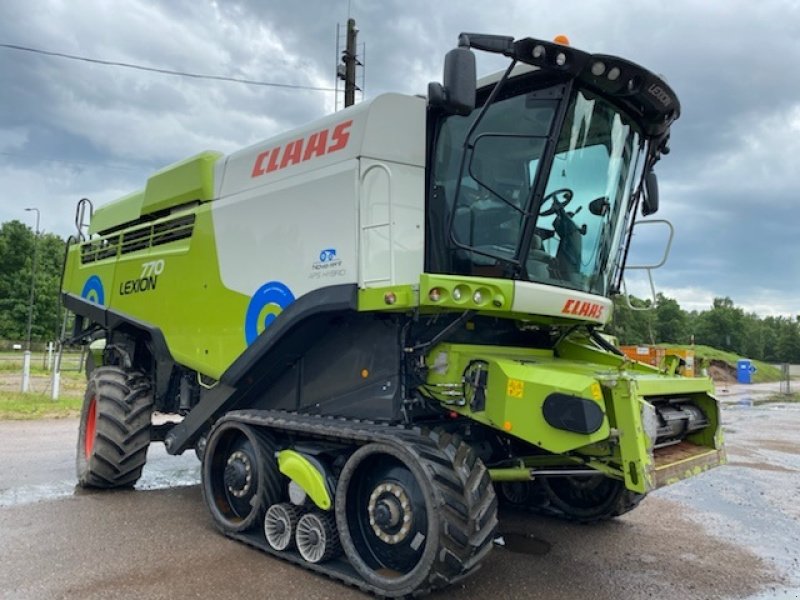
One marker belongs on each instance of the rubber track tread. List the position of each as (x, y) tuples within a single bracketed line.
[(468, 502)]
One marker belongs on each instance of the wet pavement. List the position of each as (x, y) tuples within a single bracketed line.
[(38, 462), (731, 533), (750, 394)]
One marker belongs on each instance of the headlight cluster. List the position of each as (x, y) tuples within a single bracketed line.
[(476, 296)]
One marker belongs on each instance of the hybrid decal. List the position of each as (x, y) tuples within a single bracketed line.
[(327, 254), (146, 282), (328, 265), (581, 308), (266, 304), (318, 143), (93, 290)]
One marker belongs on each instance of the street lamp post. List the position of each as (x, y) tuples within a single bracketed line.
[(26, 359)]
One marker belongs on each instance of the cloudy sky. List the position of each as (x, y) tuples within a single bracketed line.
[(731, 185)]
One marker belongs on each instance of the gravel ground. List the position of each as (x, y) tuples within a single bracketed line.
[(731, 533)]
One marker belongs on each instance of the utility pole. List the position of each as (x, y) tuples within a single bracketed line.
[(350, 61), (26, 359)]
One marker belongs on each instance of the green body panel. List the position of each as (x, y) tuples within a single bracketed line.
[(185, 181), (303, 472), (580, 348), (520, 379), (125, 210), (634, 453), (186, 299)]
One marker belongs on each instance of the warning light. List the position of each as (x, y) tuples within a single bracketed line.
[(561, 39), (364, 373), (507, 425)]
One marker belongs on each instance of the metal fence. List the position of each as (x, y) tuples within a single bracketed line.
[(12, 360)]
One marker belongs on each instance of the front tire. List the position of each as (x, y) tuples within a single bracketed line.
[(114, 433)]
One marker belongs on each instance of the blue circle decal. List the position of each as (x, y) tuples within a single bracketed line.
[(93, 290), (265, 305)]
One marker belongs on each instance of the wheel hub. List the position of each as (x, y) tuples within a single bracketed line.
[(387, 512), (390, 513), (238, 474)]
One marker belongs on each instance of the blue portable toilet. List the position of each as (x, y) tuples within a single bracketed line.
[(744, 371)]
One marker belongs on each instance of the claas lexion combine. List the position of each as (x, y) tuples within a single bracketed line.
[(378, 327)]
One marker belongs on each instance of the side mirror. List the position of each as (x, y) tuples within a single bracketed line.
[(650, 199), (457, 92)]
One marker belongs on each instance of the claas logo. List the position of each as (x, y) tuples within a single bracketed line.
[(581, 308), (318, 143)]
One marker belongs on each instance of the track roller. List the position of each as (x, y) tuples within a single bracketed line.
[(316, 537), (280, 525)]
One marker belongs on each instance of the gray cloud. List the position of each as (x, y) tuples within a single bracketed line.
[(730, 185)]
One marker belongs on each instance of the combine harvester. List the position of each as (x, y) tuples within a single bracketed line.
[(377, 326)]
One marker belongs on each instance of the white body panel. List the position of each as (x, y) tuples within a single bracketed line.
[(392, 223), (535, 298), (339, 201), (278, 232)]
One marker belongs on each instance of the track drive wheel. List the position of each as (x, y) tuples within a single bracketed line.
[(589, 498), (114, 431), (239, 476), (416, 517), (517, 494)]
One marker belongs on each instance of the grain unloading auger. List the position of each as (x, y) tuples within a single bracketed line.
[(376, 325)]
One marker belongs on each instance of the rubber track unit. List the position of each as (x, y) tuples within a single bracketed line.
[(539, 503), (463, 484), (124, 406)]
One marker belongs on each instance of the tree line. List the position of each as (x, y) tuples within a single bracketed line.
[(724, 326), (16, 271)]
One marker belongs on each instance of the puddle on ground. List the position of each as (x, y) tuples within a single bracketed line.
[(29, 494), (523, 543), (153, 478)]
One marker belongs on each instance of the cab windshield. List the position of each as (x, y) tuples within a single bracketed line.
[(486, 202)]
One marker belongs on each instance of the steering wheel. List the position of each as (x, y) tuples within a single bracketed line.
[(558, 205)]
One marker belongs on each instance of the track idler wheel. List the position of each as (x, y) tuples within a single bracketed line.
[(415, 517), (587, 498), (316, 537), (240, 476)]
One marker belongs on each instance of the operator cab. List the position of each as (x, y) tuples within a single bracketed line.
[(539, 178)]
